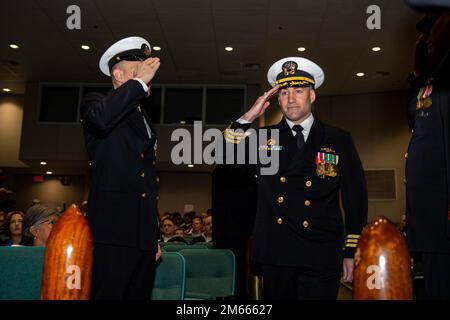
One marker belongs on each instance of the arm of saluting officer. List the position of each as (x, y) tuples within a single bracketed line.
[(235, 133), (354, 200), (102, 113)]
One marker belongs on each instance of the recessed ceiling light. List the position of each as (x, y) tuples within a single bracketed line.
[(190, 165), (228, 48), (85, 47), (376, 49), (43, 163), (156, 48), (49, 172), (360, 74), (7, 89), (301, 49), (13, 46)]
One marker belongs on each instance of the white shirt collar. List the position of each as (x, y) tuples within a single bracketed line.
[(306, 124)]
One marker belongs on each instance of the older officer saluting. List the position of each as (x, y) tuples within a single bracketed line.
[(120, 141), (299, 233)]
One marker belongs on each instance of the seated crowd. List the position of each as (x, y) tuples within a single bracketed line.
[(188, 229), (33, 226)]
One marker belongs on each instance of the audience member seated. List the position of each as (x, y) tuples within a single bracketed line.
[(188, 216), (38, 224), (179, 232), (177, 218), (167, 228), (3, 236), (83, 207), (206, 236), (197, 227), (14, 228)]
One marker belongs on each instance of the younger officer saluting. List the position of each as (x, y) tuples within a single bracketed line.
[(299, 233), (121, 142)]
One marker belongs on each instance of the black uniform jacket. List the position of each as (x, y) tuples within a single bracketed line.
[(428, 166), (299, 220), (122, 200)]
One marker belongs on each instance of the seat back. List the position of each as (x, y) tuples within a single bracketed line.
[(170, 277), (209, 273), (21, 272), (178, 247)]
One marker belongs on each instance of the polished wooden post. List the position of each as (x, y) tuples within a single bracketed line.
[(382, 264), (68, 259)]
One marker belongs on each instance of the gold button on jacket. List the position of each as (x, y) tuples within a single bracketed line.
[(305, 224), (308, 183), (307, 203), (279, 221), (280, 199), (282, 179), (143, 195)]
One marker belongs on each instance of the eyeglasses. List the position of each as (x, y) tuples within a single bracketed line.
[(51, 222)]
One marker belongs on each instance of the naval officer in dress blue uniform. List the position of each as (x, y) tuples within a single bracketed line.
[(300, 237), (121, 142), (428, 157)]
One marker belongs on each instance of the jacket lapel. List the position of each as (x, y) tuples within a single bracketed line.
[(307, 153), (136, 122), (152, 128), (288, 143)]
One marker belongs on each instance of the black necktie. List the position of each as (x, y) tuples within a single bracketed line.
[(300, 138)]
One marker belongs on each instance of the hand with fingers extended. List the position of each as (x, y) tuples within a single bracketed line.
[(260, 105), (146, 70)]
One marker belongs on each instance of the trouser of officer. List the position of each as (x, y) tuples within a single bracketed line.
[(436, 269), (298, 283), (122, 273)]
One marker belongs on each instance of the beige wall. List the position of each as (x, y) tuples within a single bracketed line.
[(378, 124), (50, 191), (11, 113), (177, 189)]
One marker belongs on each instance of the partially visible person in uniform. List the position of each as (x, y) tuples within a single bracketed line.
[(38, 223), (299, 233), (428, 157), (121, 142)]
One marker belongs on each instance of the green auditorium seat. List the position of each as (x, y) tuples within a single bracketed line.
[(21, 272), (210, 274), (178, 247), (170, 277)]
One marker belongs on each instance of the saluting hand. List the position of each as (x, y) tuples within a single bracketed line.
[(146, 70), (260, 105)]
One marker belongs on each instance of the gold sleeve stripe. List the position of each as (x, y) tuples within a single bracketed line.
[(351, 245), (353, 236), (352, 241), (234, 137)]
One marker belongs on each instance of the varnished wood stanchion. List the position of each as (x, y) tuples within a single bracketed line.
[(68, 259), (382, 264)]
